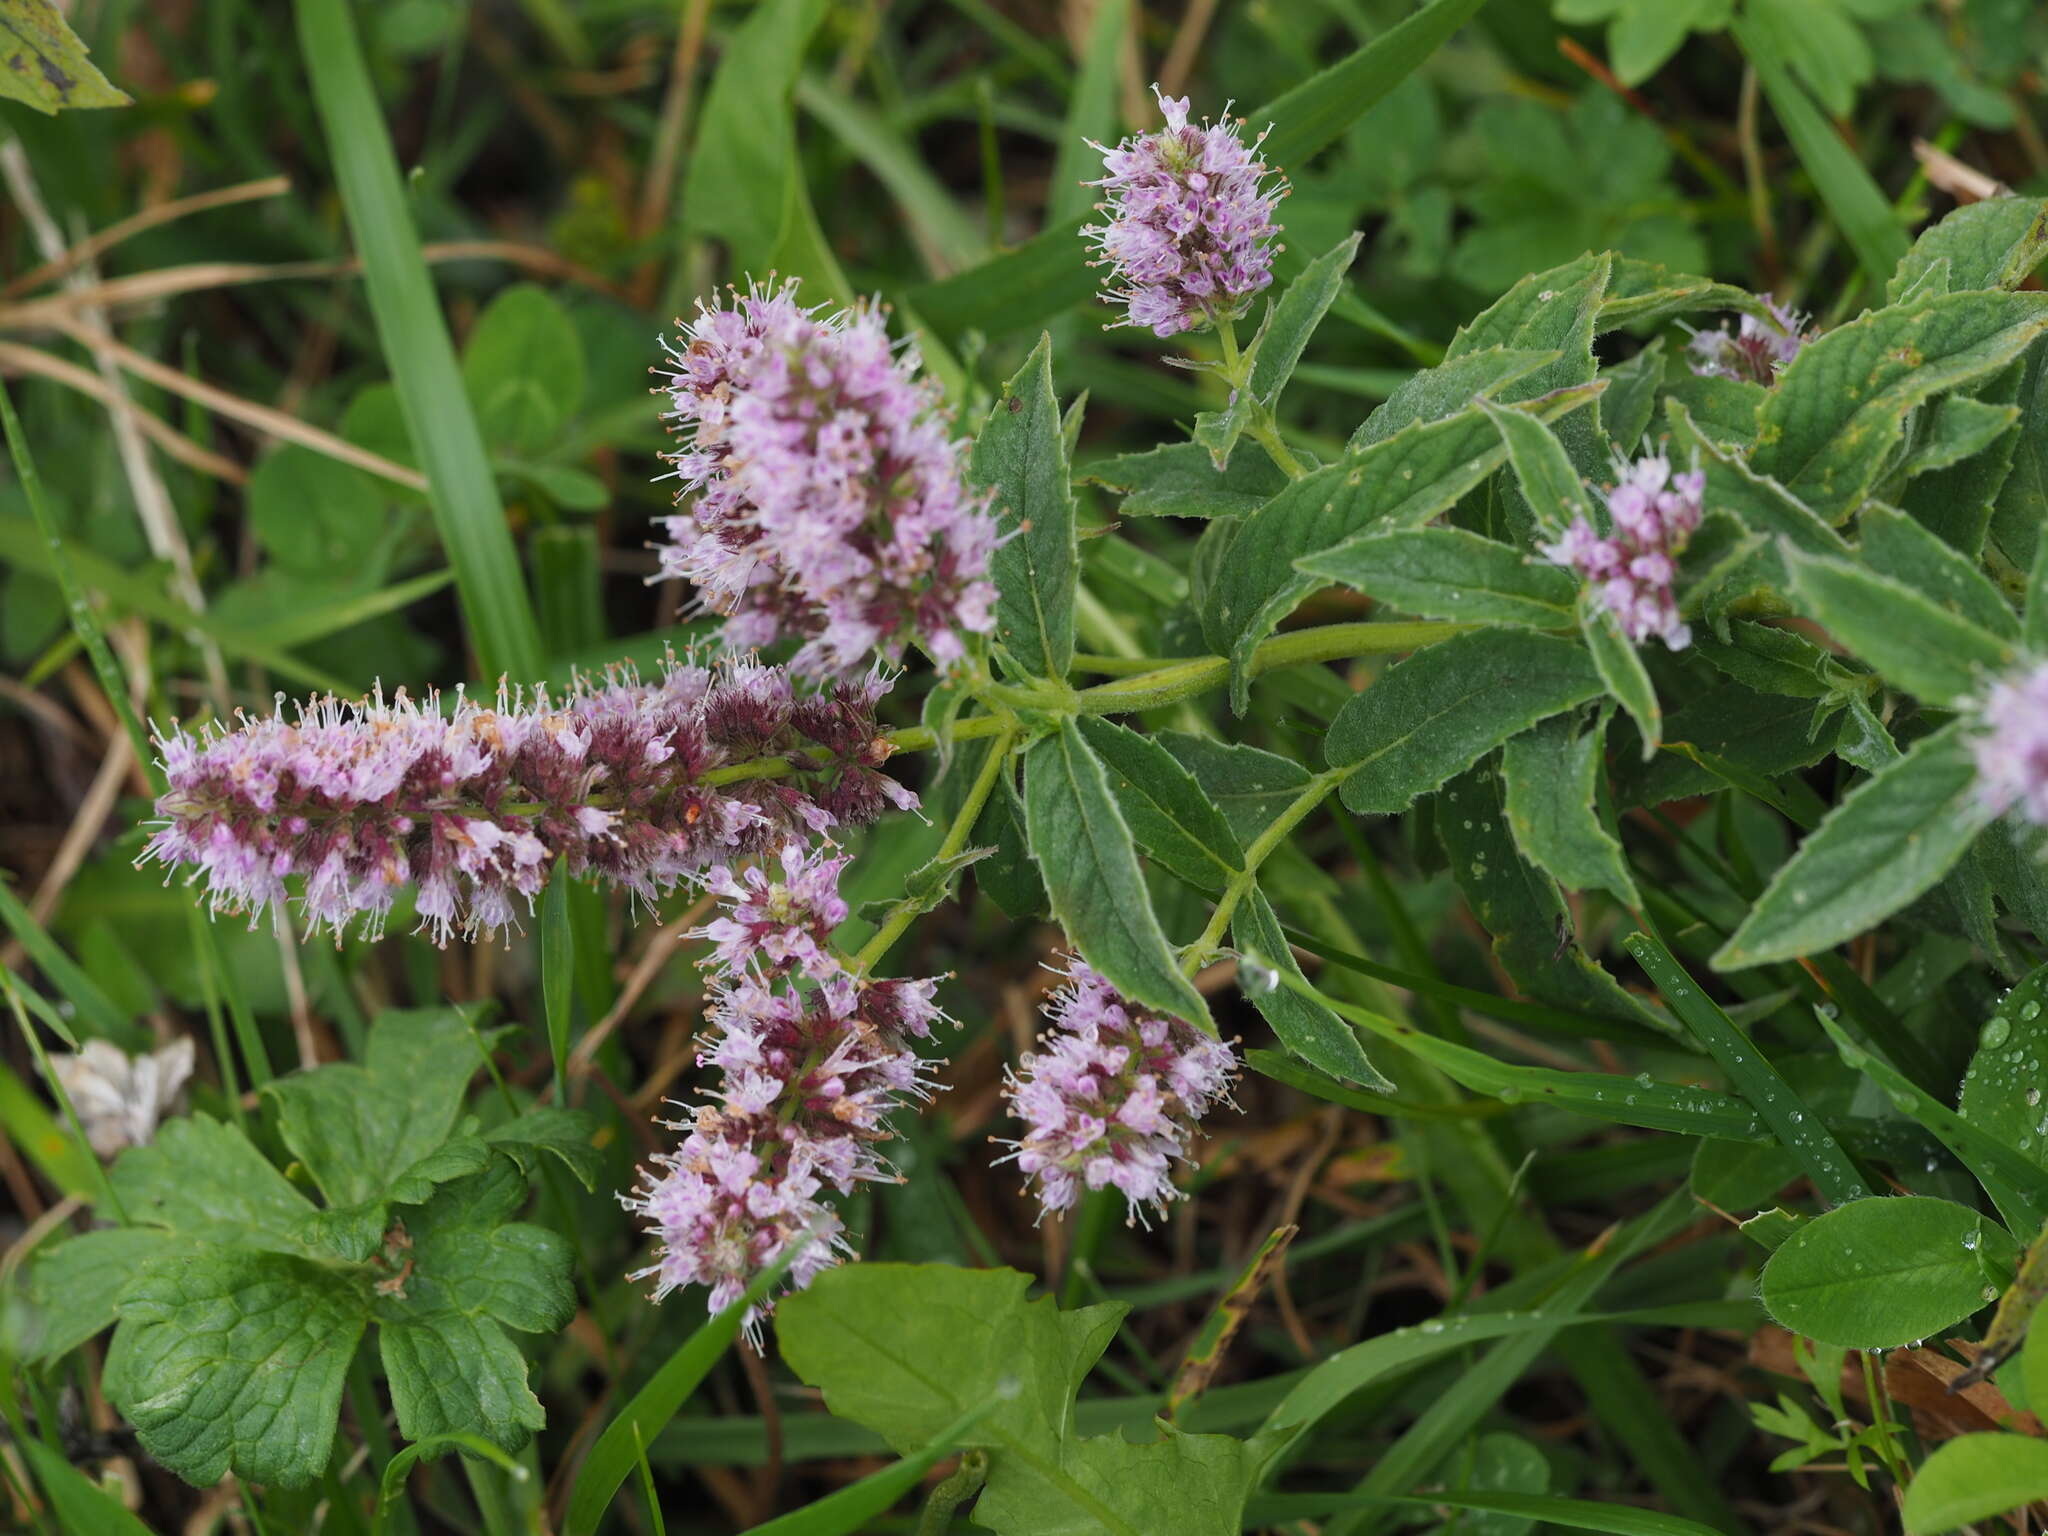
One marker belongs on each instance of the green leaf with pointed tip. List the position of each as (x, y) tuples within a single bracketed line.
[(906, 1350), (1249, 786), (1622, 672), (1902, 548), (1086, 858), (2001, 1091), (43, 63), (1549, 481), (1170, 817), (1283, 337), (1890, 839), (1914, 642), (233, 1359), (1447, 573), (1400, 482), (1722, 410), (1445, 390), (1521, 906), (1880, 1273), (1021, 456), (441, 1327), (1557, 807), (1840, 408), (1957, 428), (1303, 1025), (1643, 293), (1437, 713), (1996, 243), (363, 1131), (1178, 480), (1759, 502)]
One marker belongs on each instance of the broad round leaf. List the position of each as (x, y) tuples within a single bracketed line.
[(1974, 1477), (1875, 1274)]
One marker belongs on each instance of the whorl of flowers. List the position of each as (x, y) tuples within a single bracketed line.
[(811, 1060), (472, 805), (1756, 350), (822, 497), (1189, 231), (1112, 1095), (1630, 571), (2011, 744)]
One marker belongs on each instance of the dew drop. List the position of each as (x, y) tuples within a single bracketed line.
[(1994, 1034)]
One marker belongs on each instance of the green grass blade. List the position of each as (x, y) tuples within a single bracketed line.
[(1796, 1126), (1857, 203), (438, 418), (612, 1457), (398, 1466), (852, 1508), (95, 1008)]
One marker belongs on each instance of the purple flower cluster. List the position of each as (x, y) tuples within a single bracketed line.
[(1756, 350), (2011, 744), (822, 497), (811, 1057), (1112, 1096), (1630, 571), (471, 806), (1189, 237)]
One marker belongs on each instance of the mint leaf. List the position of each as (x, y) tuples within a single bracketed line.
[(568, 1134), (75, 1283), (203, 1179), (471, 1273), (234, 1358)]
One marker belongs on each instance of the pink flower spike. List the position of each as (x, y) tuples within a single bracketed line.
[(2010, 742), (1112, 1096), (1630, 573), (1189, 236)]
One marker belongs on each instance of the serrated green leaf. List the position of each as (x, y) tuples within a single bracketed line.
[(1841, 405), (867, 1335), (43, 63), (1555, 808), (1915, 643), (1021, 456), (1282, 339), (1249, 786), (567, 1134), (1956, 503), (1757, 501), (1721, 410), (1437, 713), (441, 1324), (1170, 818), (361, 1130), (1445, 390), (1400, 482), (1996, 243), (2020, 508), (1447, 573), (1879, 1273), (1521, 907), (1629, 404), (1303, 1025), (232, 1358), (1622, 672), (1901, 548), (1550, 483), (202, 1179), (1890, 839), (1956, 428), (1643, 293), (74, 1284), (1179, 480), (1085, 856)]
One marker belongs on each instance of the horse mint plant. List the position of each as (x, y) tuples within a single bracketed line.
[(962, 918)]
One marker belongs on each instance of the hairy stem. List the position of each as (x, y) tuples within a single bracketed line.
[(906, 911), (1313, 793)]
